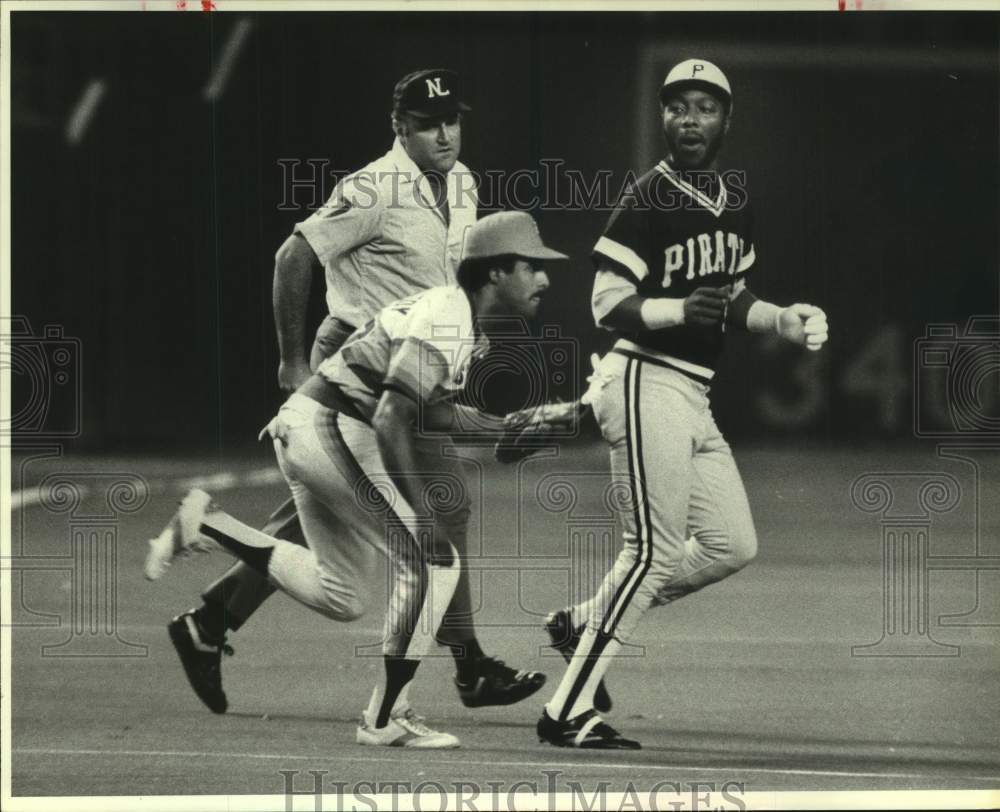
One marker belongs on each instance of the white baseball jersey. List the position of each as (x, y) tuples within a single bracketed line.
[(421, 346), (380, 237)]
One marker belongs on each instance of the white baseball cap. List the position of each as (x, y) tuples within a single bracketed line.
[(696, 72)]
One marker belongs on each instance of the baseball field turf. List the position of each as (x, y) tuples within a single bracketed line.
[(758, 681)]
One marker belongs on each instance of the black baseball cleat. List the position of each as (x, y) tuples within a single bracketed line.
[(202, 661), (497, 684), (587, 731), (564, 640)]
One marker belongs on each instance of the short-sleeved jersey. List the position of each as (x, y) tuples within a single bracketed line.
[(421, 346), (380, 237), (673, 232)]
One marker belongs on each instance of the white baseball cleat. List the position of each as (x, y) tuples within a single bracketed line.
[(405, 729), (181, 536)]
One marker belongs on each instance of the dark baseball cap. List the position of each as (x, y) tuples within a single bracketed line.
[(429, 93)]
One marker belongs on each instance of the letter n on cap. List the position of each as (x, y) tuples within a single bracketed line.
[(434, 88)]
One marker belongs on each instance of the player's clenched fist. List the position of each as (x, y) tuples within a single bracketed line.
[(803, 324), (706, 306)]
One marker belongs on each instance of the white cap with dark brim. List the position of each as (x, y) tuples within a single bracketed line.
[(696, 72)]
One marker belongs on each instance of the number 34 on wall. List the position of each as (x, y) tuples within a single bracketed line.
[(879, 373)]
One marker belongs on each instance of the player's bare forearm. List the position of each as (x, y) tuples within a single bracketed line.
[(395, 424), (294, 265)]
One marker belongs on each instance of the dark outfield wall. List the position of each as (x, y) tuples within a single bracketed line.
[(869, 142)]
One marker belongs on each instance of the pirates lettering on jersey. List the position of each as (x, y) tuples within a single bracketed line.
[(674, 232), (703, 255)]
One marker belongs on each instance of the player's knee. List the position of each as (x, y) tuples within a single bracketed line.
[(351, 609), (661, 570), (345, 607), (342, 602), (733, 550), (742, 549)]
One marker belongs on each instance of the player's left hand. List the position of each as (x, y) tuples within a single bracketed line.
[(528, 430), (803, 324)]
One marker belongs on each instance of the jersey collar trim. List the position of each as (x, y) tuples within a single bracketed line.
[(717, 207)]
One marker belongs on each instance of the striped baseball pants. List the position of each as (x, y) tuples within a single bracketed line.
[(350, 510), (687, 522), (241, 590)]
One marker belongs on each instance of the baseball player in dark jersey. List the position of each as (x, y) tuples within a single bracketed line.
[(671, 283), (391, 229)]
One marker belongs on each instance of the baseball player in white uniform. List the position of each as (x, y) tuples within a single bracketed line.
[(671, 282), (346, 442), (391, 229)]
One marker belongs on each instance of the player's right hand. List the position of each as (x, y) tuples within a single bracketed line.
[(292, 374), (706, 306)]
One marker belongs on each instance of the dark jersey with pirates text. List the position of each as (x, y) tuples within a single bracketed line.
[(673, 232)]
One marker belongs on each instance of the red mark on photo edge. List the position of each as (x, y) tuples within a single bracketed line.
[(182, 5), (207, 5)]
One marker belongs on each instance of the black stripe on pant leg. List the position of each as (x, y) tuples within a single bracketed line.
[(409, 551), (256, 557), (588, 667), (639, 490), (640, 567)]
